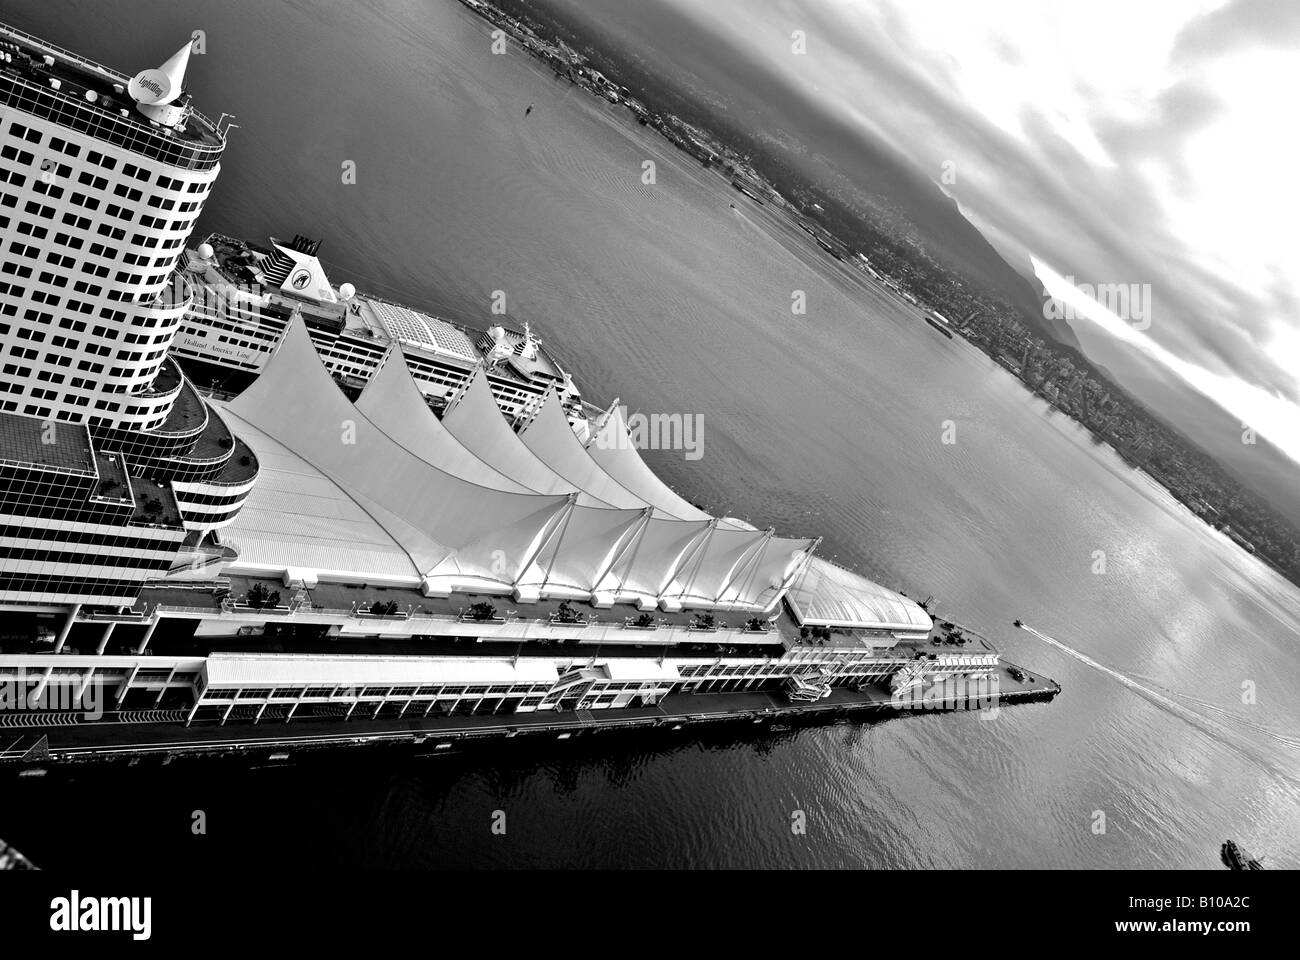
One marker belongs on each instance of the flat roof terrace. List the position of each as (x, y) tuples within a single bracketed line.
[(442, 637), (35, 441), (334, 596), (113, 482)]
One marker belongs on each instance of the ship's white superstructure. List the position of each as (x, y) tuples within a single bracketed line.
[(245, 296)]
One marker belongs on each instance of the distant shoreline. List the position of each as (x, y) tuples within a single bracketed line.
[(730, 166)]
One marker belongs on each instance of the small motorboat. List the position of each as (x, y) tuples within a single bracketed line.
[(1236, 857)]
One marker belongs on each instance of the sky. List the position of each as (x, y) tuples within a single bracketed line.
[(1112, 141)]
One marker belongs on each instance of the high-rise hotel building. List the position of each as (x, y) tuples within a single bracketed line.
[(113, 469)]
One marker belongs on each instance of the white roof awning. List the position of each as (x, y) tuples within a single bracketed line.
[(828, 595), (241, 670)]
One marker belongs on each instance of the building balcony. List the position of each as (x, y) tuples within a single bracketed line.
[(167, 383)]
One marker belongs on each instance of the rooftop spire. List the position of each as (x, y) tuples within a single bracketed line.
[(162, 86)]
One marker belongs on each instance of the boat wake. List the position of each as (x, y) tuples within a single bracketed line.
[(1212, 724)]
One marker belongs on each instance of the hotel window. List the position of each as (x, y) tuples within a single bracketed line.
[(19, 156), (24, 133), (108, 163)]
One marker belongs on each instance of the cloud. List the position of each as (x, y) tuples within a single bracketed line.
[(1236, 26), (1121, 142), (1125, 168)]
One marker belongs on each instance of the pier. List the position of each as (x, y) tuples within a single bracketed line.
[(63, 738)]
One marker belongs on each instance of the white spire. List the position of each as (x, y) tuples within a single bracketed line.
[(162, 86)]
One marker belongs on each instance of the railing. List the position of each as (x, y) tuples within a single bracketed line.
[(94, 120), (244, 609), (34, 41), (128, 616), (570, 622), (232, 606), (181, 608), (367, 615)]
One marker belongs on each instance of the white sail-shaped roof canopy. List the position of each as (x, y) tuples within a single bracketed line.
[(577, 548), (614, 450), (737, 569), (588, 550), (392, 401), (825, 594), (551, 438), (388, 489), (441, 519), (475, 419), (296, 517)]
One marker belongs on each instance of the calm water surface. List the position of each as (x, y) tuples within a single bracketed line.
[(829, 423)]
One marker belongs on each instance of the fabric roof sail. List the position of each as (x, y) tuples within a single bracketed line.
[(401, 496), (763, 581), (827, 594), (614, 450), (297, 403), (394, 403), (577, 547), (645, 569), (738, 568), (552, 439), (297, 517), (477, 422), (588, 543)]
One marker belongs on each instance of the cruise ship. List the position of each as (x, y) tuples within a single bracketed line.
[(396, 519), (245, 295)]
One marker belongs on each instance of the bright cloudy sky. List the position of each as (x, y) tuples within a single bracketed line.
[(1115, 141)]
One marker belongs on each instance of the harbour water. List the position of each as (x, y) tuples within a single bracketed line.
[(831, 422)]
